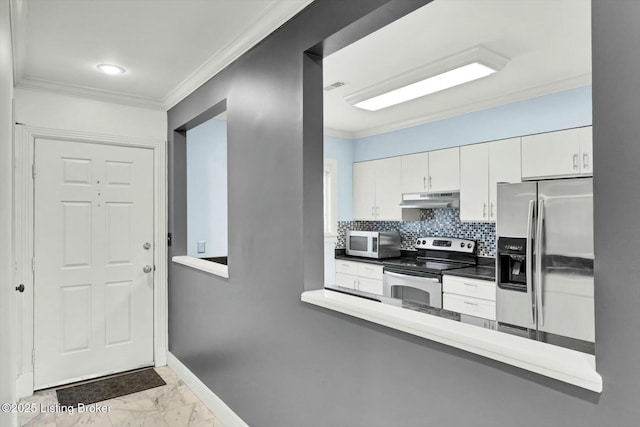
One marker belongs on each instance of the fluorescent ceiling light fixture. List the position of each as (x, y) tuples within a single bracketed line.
[(451, 71), (111, 69)]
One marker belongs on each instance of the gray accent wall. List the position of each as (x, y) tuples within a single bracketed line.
[(279, 362)]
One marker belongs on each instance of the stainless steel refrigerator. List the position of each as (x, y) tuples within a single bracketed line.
[(544, 261)]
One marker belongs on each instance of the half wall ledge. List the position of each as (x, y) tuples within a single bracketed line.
[(563, 364)]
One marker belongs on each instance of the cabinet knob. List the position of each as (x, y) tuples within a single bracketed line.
[(147, 269)]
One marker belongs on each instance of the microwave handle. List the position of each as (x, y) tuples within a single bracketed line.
[(374, 243)]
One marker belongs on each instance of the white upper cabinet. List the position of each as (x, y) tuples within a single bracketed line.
[(557, 154), (415, 173), (504, 166), (388, 189), (444, 170), (377, 190), (482, 166), (586, 150), (364, 190), (474, 182)]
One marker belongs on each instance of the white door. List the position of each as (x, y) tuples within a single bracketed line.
[(93, 220)]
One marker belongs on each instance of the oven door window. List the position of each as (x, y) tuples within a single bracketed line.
[(407, 293), (359, 243)]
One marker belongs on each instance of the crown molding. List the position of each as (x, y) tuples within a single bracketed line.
[(273, 18), (337, 133), (88, 93), (516, 96)]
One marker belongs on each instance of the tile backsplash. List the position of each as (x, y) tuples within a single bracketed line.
[(433, 222)]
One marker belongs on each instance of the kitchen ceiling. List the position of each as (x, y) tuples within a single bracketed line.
[(548, 43), (168, 47)]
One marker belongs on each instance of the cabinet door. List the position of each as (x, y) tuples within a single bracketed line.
[(551, 155), (444, 170), (346, 280), (364, 190), (388, 189), (371, 271), (474, 182), (504, 166), (370, 285), (586, 150), (415, 172)]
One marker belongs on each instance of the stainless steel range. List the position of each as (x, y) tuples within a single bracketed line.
[(419, 280)]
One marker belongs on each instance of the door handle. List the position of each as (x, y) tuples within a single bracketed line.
[(491, 211), (484, 210), (539, 300), (529, 256), (585, 160), (424, 182), (430, 182), (147, 269), (575, 162)]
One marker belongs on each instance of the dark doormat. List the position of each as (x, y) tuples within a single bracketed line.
[(108, 388)]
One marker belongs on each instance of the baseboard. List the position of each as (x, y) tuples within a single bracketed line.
[(204, 393), (24, 385)]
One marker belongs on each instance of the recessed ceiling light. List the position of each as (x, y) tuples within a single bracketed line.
[(110, 69)]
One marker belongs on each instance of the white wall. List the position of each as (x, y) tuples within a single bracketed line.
[(7, 340), (56, 111)]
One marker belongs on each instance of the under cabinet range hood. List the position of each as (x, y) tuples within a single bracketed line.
[(443, 200)]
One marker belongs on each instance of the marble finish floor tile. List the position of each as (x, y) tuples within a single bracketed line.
[(171, 405)]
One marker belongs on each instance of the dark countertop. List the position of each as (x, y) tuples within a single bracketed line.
[(363, 259), (485, 270), (481, 272)]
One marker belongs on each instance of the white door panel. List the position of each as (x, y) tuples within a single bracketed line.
[(93, 302)]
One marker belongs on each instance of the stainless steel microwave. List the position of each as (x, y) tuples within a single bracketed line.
[(373, 244)]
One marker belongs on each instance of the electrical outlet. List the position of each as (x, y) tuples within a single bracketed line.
[(201, 246)]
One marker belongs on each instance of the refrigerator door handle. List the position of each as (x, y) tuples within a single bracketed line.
[(529, 256), (540, 308)]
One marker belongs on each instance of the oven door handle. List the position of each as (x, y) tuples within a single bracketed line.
[(399, 275)]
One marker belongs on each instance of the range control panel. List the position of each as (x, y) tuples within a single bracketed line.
[(446, 244)]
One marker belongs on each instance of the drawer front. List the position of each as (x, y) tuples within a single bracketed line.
[(484, 289), (346, 280), (370, 285), (347, 267), (468, 305), (371, 271)]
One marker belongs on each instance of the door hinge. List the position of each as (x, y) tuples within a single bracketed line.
[(33, 264), (33, 171), (169, 239)]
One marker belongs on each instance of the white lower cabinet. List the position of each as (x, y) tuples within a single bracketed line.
[(359, 275), (469, 296)]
